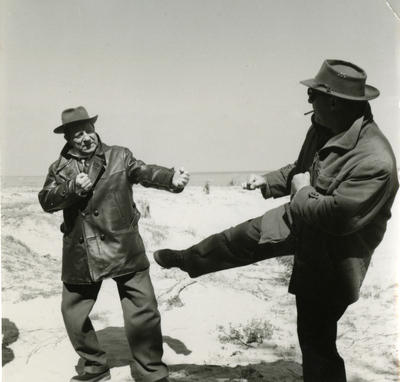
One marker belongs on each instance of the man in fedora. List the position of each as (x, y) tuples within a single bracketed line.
[(342, 188), (92, 183)]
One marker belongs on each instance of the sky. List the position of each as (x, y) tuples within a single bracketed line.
[(211, 85)]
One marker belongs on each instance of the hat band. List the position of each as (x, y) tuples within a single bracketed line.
[(346, 85)]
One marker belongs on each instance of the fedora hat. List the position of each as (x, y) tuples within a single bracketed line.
[(342, 79), (70, 117)]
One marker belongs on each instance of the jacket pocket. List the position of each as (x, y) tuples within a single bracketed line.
[(114, 217)]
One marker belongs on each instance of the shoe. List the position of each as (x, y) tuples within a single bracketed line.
[(169, 258), (92, 377)]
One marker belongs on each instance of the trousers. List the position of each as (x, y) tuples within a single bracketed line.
[(141, 320), (234, 247), (317, 331), (317, 320)]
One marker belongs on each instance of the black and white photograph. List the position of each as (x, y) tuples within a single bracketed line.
[(200, 190)]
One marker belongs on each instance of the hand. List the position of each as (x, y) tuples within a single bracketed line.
[(180, 178), (83, 183), (254, 181), (299, 181)]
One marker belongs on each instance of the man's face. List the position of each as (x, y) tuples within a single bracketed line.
[(322, 106), (83, 138)]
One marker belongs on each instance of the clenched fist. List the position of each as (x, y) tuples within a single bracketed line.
[(254, 181), (83, 183), (180, 178), (299, 181)]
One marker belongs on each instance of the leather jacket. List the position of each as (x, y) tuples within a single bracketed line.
[(100, 228)]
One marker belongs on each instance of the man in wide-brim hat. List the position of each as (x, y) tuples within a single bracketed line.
[(342, 188), (91, 183)]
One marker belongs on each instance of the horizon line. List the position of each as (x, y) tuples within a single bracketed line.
[(193, 173)]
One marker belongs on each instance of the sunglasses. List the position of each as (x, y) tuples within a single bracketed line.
[(313, 94)]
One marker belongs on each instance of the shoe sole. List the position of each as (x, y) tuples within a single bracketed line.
[(100, 378)]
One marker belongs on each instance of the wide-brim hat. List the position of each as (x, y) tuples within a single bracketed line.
[(342, 79), (73, 116)]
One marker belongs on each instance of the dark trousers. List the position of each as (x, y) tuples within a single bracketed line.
[(317, 321), (317, 331), (141, 317), (234, 247)]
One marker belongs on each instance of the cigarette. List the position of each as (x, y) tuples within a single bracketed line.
[(309, 112)]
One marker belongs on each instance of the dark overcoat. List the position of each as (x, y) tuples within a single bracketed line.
[(100, 229), (339, 220)]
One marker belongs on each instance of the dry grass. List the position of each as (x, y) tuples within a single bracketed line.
[(252, 332), (27, 274)]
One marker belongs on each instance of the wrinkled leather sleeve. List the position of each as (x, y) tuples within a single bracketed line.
[(57, 196), (353, 204), (277, 183), (149, 175)]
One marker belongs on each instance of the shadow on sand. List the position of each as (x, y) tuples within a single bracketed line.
[(113, 341), (10, 334)]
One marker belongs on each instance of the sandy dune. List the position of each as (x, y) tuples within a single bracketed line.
[(204, 320)]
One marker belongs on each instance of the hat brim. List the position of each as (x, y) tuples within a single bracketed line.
[(61, 129), (370, 91)]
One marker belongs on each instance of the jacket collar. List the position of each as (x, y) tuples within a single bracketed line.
[(348, 139), (66, 158)]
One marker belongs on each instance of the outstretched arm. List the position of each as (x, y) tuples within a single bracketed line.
[(273, 184), (277, 183), (150, 175)]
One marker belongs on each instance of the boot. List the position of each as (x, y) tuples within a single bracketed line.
[(169, 258)]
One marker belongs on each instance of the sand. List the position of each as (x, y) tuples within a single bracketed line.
[(207, 322)]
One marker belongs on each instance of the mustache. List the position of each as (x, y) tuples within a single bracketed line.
[(88, 142)]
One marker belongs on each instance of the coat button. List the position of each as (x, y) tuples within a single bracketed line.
[(102, 236), (81, 240), (96, 213)]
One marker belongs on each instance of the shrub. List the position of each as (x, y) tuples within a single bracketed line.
[(254, 331)]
